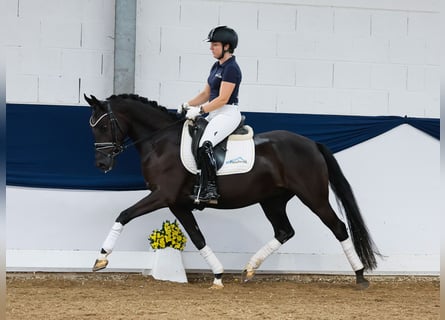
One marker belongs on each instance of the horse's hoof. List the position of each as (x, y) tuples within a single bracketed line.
[(362, 284), (100, 264), (247, 275), (216, 286)]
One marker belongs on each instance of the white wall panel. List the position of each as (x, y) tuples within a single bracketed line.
[(249, 69), (98, 35), (59, 89), (416, 78), (352, 75), (335, 48), (424, 26), (407, 51), (182, 40), (315, 20), (256, 44), (189, 71), (22, 31), (172, 95), (352, 22), (198, 14), (389, 24), (371, 50), (314, 74), (167, 13), (27, 87), (151, 89), (52, 37), (99, 86), (259, 98), (268, 18), (432, 80), (45, 61), (371, 45), (432, 53), (42, 9), (276, 72), (387, 76), (163, 67), (297, 45), (81, 63), (59, 42), (239, 15), (414, 104), (368, 103)]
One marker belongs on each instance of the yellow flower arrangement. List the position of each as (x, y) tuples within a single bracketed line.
[(170, 235)]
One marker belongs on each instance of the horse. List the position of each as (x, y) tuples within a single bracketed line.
[(285, 165)]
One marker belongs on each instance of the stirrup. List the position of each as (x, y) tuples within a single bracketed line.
[(198, 198)]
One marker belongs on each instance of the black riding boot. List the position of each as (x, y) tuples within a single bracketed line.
[(206, 191)]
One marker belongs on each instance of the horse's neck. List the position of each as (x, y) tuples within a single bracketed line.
[(145, 122), (155, 144), (148, 128)]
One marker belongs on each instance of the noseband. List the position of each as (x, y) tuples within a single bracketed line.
[(115, 146)]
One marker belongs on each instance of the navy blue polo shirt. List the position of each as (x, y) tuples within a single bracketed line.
[(229, 71)]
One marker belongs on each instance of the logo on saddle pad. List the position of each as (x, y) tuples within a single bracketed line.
[(239, 156)]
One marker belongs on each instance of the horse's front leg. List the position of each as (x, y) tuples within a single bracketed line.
[(148, 204), (190, 225)]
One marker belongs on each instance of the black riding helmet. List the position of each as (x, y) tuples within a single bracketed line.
[(224, 35)]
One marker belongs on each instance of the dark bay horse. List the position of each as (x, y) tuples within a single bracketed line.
[(286, 165)]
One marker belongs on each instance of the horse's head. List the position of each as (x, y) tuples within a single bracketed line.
[(109, 135)]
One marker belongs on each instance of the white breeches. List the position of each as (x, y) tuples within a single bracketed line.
[(222, 122)]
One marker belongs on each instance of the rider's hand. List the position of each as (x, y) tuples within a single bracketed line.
[(193, 112), (183, 108)]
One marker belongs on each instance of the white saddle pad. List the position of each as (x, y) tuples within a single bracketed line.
[(240, 155)]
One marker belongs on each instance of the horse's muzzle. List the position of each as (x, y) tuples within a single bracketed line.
[(105, 164), (104, 167)]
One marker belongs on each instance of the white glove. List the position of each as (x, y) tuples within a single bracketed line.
[(185, 106), (193, 112)]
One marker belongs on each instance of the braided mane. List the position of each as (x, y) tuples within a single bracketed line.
[(144, 100)]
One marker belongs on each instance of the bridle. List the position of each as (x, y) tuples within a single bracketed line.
[(116, 147)]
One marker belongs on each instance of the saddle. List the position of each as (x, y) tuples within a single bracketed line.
[(196, 130)]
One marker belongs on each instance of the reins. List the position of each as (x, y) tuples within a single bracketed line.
[(132, 143), (117, 147)]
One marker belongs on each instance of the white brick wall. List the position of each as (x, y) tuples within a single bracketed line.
[(56, 50), (302, 56)]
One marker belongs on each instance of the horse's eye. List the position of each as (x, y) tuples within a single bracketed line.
[(103, 128)]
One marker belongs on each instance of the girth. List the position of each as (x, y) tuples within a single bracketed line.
[(196, 130)]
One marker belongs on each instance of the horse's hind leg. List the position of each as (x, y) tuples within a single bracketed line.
[(275, 210), (338, 228)]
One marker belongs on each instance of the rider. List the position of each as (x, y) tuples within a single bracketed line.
[(219, 99)]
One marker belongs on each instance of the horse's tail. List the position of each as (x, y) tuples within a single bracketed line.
[(363, 243)]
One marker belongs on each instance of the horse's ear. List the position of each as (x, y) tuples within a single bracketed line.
[(92, 101), (89, 100)]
